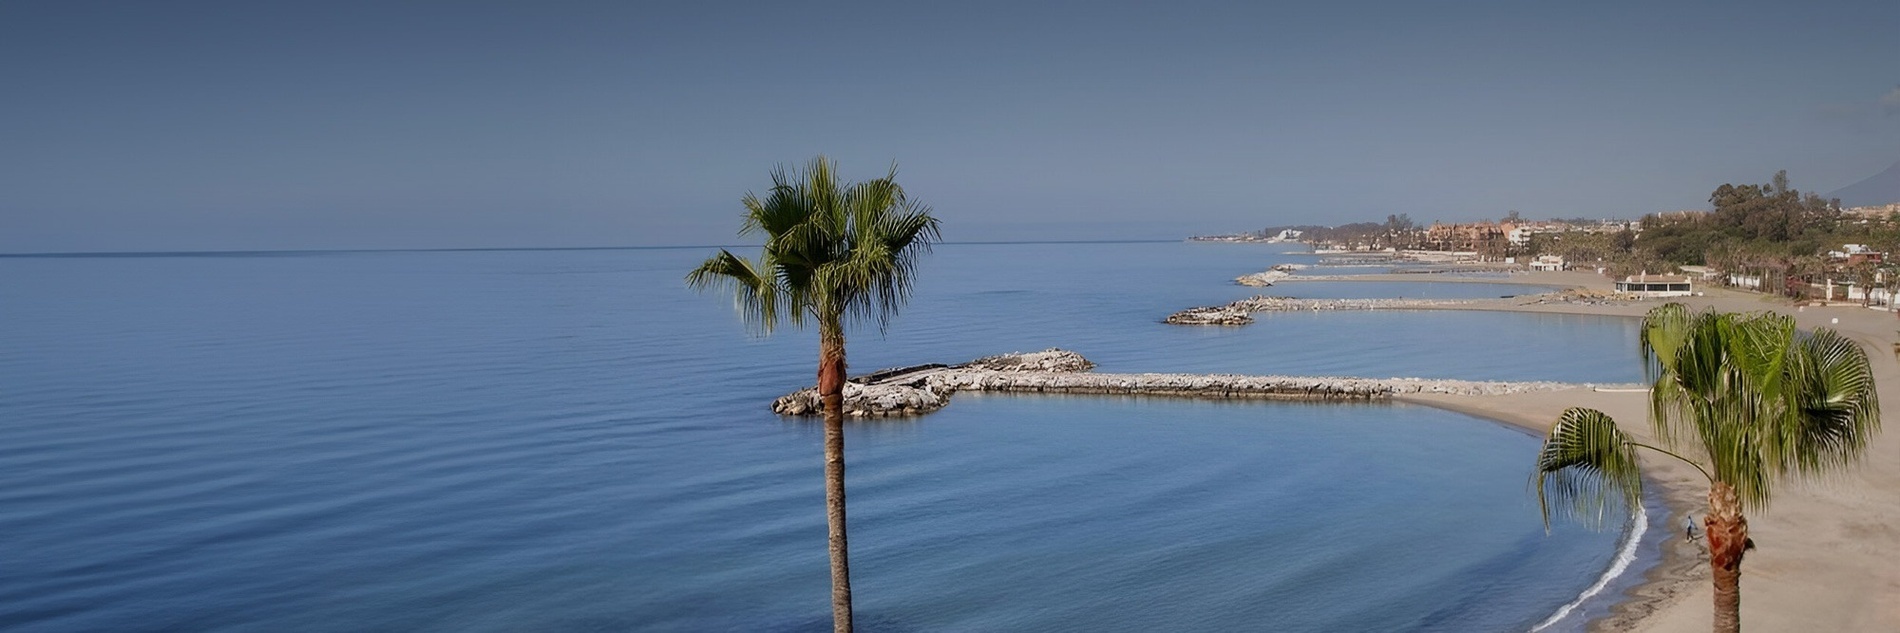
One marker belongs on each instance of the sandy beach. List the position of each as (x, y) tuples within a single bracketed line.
[(1824, 548)]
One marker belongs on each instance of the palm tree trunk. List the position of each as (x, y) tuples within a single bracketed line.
[(1727, 533), (831, 375)]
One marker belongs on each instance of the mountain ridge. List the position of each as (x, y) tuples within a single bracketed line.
[(1878, 189)]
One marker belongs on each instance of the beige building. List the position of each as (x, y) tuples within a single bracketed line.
[(1656, 285)]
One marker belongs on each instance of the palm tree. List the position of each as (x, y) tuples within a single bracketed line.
[(833, 254), (1745, 399)]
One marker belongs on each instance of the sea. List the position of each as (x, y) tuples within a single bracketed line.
[(573, 440)]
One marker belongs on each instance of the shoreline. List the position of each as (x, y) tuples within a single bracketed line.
[(1676, 568), (1822, 545)]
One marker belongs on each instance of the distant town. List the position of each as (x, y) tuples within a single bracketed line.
[(1768, 238)]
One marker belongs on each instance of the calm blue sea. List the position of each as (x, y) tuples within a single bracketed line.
[(573, 441)]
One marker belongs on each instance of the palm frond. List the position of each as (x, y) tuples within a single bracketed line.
[(785, 205), (887, 234), (832, 253), (1833, 407), (1683, 365), (1662, 334), (1758, 397), (756, 296), (1710, 370), (1585, 467)]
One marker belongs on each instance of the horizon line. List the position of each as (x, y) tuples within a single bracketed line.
[(315, 251)]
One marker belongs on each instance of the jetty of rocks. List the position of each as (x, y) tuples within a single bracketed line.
[(1211, 315), (926, 388), (1240, 312), (1266, 278), (1261, 279), (1474, 276)]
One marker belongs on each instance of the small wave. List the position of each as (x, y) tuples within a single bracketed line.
[(1624, 556)]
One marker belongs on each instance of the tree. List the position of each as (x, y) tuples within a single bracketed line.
[(1625, 240), (833, 254), (1399, 223), (1864, 275), (1748, 398), (1772, 217)]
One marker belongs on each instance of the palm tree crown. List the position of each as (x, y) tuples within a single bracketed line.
[(1748, 397), (1753, 397), (831, 253)]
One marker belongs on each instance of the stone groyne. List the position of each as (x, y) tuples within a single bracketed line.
[(1240, 312), (1266, 278), (1236, 385), (926, 388), (1473, 276)]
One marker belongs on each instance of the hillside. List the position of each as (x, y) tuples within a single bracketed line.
[(1881, 188)]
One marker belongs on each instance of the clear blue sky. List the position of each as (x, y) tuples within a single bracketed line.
[(266, 125)]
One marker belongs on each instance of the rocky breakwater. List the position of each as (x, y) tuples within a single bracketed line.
[(1223, 386), (922, 389), (1210, 315), (867, 400), (1240, 312), (1187, 385), (1267, 277), (926, 388)]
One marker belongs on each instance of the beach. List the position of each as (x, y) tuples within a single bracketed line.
[(1824, 547)]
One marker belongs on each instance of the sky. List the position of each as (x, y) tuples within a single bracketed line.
[(154, 126)]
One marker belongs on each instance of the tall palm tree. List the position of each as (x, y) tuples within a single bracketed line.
[(1745, 399), (834, 253)]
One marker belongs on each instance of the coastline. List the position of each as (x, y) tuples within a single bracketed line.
[(1822, 545), (1681, 565)]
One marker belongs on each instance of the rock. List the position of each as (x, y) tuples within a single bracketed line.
[(1214, 315), (1052, 359), (866, 401), (1261, 279), (1239, 312)]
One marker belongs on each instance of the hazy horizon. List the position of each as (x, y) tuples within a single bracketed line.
[(220, 126)]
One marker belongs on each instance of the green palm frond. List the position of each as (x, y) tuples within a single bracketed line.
[(832, 252), (755, 293), (1586, 466), (1662, 335), (1709, 372), (1757, 396), (786, 204), (888, 234), (1833, 408)]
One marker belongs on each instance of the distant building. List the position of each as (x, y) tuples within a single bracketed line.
[(1520, 235), (1876, 212), (1656, 285), (1703, 272), (1855, 254), (1548, 263), (1487, 239)]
